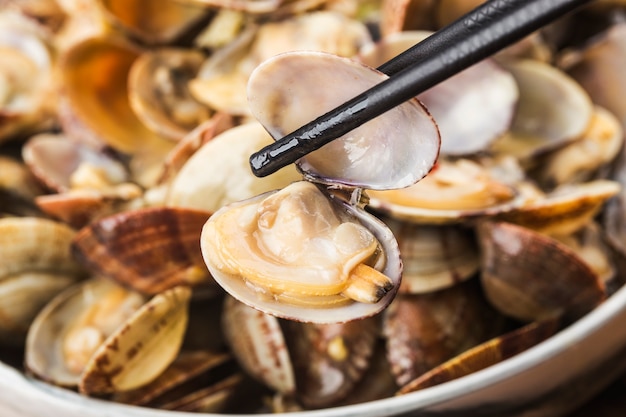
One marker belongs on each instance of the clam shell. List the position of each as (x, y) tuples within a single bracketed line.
[(81, 207), (219, 172), (257, 342), (455, 191), (149, 249), (151, 23), (486, 354), (405, 138), (22, 297), (332, 312), (26, 77), (142, 348), (48, 342), (187, 366), (158, 91), (221, 81), (54, 158), (192, 142), (472, 108), (564, 210), (434, 257), (539, 125), (94, 73), (329, 359), (422, 331), (586, 158), (530, 276), (597, 68), (36, 245)]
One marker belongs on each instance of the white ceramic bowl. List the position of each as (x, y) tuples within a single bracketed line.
[(549, 380)]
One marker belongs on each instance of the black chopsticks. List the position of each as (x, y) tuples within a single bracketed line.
[(475, 36)]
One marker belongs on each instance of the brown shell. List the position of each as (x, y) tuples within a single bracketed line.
[(150, 249), (422, 331), (484, 355), (530, 276), (140, 349), (329, 359)]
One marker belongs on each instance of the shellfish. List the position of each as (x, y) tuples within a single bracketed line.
[(303, 252)]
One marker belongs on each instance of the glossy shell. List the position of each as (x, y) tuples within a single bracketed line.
[(391, 151)]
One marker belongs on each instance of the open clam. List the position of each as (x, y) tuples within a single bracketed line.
[(302, 252), (94, 73), (454, 191), (118, 343), (158, 91)]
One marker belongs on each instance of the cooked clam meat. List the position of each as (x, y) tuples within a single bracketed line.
[(451, 185), (293, 245)]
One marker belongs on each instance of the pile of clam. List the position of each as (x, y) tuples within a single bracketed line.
[(142, 262)]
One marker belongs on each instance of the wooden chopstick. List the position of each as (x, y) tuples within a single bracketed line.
[(482, 32)]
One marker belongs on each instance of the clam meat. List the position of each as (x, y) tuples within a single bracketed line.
[(296, 250)]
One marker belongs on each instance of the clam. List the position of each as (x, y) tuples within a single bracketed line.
[(434, 256), (153, 24), (423, 331), (587, 157), (539, 124), (531, 276), (26, 81), (219, 173), (142, 348), (94, 73), (103, 338), (70, 328), (405, 138), (597, 68), (159, 94), (87, 182), (315, 364), (221, 81), (18, 188), (61, 164), (35, 265), (486, 354), (148, 249), (564, 210), (297, 253), (302, 252), (454, 191), (472, 109), (590, 245), (195, 381), (78, 208), (192, 142), (329, 359)]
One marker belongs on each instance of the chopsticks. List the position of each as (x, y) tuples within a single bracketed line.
[(482, 32)]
